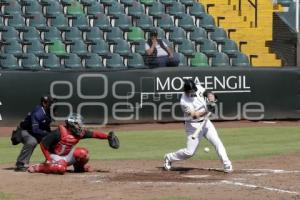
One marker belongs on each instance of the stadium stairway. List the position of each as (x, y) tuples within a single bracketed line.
[(251, 36)]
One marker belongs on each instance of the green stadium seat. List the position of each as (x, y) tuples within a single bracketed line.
[(114, 34), (115, 9), (30, 61), (32, 7), (122, 48), (198, 34), (53, 7), (34, 47), (93, 61), (230, 48), (37, 20), (208, 47), (57, 47), (241, 60), (94, 8), (182, 59), (16, 20), (156, 9), (80, 21), (285, 3), (145, 22), (78, 47), (72, 34), (108, 2), (123, 21), (66, 2), (167, 2), (165, 22), (72, 61), (115, 61), (50, 61), (140, 47), (12, 7), (8, 61), (1, 21), (50, 33), (219, 35), (207, 22), (177, 9), (93, 34), (177, 35), (31, 34), (186, 47), (196, 9), (127, 2), (136, 61), (100, 47), (199, 60), (220, 60), (101, 21), (135, 35), (12, 47), (9, 33), (136, 9), (187, 2), (186, 22), (147, 2), (87, 2), (59, 21), (75, 8)]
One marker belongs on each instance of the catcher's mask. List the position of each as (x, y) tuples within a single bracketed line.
[(189, 87), (75, 123)]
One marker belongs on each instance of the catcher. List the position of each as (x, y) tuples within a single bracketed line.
[(60, 151)]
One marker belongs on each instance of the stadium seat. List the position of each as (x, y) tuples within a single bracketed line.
[(72, 61), (87, 2), (8, 61), (165, 22), (167, 2), (75, 8), (186, 22), (285, 3), (57, 47), (198, 34), (12, 47), (93, 34), (186, 47), (16, 20), (160, 33), (50, 33), (136, 9), (12, 7), (187, 2), (72, 34), (1, 21), (177, 35), (50, 61), (59, 21), (199, 60), (32, 7), (100, 47), (208, 47), (156, 9), (140, 47), (207, 22), (115, 61), (122, 48), (78, 47), (230, 48), (93, 61), (182, 59), (9, 33), (114, 34), (101, 21), (196, 9), (53, 8), (123, 21), (145, 22), (37, 20), (94, 8), (135, 35), (80, 21), (115, 9), (176, 9), (31, 34), (220, 60), (30, 61), (34, 47), (241, 60), (147, 2), (136, 61), (108, 2), (219, 35), (127, 2)]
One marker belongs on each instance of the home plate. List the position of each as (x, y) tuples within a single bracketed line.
[(196, 176)]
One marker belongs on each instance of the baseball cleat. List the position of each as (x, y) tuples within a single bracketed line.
[(228, 168), (167, 163)]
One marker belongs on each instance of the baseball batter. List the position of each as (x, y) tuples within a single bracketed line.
[(194, 103)]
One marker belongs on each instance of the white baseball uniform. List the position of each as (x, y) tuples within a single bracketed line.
[(198, 103)]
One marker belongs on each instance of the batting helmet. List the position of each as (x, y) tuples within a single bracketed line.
[(189, 86), (74, 123), (47, 99)]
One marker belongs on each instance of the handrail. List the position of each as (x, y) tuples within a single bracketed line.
[(254, 5)]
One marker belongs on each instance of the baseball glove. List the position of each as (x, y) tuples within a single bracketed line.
[(211, 102), (113, 140)]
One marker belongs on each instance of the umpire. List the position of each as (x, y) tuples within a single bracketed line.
[(35, 126)]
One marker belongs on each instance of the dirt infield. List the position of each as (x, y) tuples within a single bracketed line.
[(265, 178)]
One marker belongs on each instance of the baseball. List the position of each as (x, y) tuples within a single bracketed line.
[(206, 149)]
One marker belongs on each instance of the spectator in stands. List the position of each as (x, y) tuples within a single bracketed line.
[(158, 54)]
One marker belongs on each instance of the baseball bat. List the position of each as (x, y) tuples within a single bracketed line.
[(198, 130)]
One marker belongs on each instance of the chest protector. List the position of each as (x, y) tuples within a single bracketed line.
[(67, 141)]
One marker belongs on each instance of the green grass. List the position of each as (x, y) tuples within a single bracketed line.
[(241, 143), (4, 196)]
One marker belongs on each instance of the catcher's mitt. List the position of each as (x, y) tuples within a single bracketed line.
[(113, 140)]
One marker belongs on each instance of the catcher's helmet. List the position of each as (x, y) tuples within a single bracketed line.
[(189, 86), (74, 123)]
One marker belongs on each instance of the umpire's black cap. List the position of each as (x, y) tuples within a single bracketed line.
[(189, 85)]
